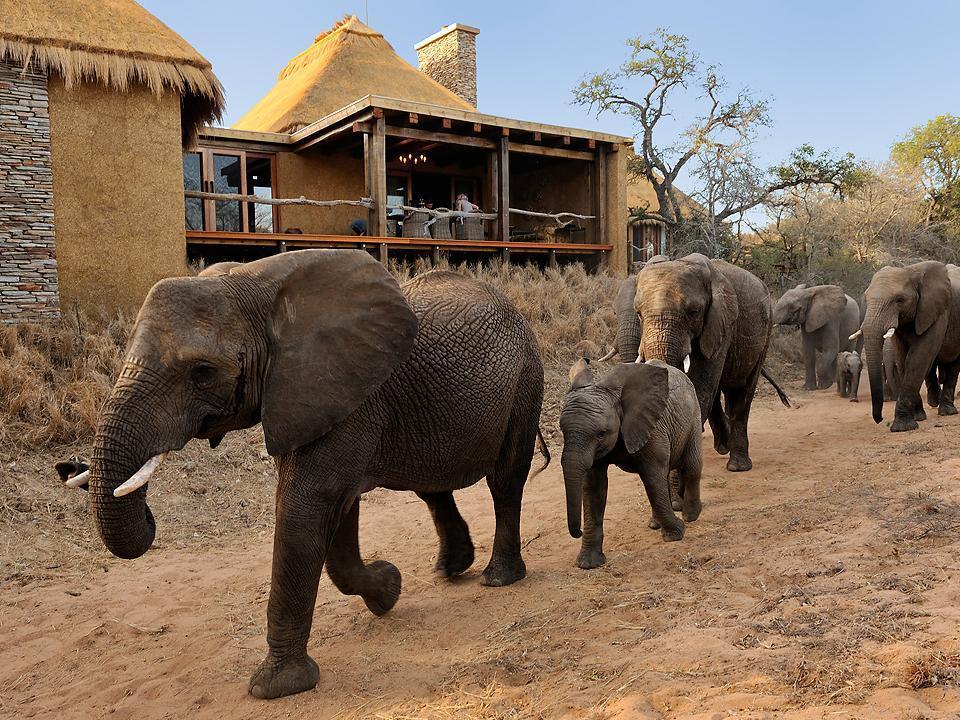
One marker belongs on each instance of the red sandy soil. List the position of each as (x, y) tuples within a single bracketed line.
[(823, 584)]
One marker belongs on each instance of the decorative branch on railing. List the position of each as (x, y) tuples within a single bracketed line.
[(257, 200), (369, 204)]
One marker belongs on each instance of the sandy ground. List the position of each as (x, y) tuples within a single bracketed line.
[(823, 584)]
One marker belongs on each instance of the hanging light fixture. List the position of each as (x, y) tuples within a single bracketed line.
[(413, 159)]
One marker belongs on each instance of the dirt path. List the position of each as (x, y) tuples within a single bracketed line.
[(822, 584)]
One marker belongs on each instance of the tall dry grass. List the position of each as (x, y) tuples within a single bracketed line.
[(55, 377)]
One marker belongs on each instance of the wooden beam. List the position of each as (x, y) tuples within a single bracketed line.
[(566, 139), (356, 125), (592, 144), (413, 119), (449, 138), (477, 127), (503, 190), (600, 196), (376, 160), (551, 151), (505, 132), (377, 112), (537, 137), (447, 123)]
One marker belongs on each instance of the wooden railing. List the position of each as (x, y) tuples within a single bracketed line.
[(290, 241)]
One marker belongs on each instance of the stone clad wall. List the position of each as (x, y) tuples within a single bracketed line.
[(450, 58), (28, 265)]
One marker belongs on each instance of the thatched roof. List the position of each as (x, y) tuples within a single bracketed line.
[(344, 64), (112, 42)]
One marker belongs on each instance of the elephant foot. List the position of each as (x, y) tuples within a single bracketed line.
[(933, 398), (590, 558), (920, 414), (809, 386), (275, 679), (453, 561), (739, 462), (502, 572), (720, 447), (388, 584), (946, 409), (692, 511), (854, 399), (673, 533), (901, 424), (653, 524)]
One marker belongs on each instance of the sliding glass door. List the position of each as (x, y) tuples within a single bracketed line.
[(231, 172)]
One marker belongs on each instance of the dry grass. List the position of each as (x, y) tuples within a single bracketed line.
[(55, 377)]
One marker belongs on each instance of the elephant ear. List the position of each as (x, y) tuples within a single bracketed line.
[(580, 374), (826, 301), (934, 290), (337, 325), (722, 314), (643, 390)]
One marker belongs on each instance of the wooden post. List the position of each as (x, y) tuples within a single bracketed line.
[(435, 255), (503, 190), (505, 253), (375, 152), (384, 253), (600, 196), (552, 258)]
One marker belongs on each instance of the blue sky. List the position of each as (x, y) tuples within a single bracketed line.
[(851, 75)]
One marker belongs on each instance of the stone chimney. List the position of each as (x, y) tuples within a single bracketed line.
[(450, 58)]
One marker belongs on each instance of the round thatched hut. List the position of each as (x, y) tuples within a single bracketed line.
[(97, 100)]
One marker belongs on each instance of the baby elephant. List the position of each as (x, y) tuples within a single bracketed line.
[(849, 367), (644, 418)]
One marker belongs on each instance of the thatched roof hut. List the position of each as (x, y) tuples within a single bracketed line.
[(114, 43), (345, 63)]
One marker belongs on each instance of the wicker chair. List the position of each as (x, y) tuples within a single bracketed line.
[(392, 227), (470, 228), (440, 227), (415, 224)]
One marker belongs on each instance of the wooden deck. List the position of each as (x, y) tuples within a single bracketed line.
[(284, 241)]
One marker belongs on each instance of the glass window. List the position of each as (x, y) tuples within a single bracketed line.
[(226, 179), (259, 183), (192, 180)]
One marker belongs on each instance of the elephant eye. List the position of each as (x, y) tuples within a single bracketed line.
[(203, 374), (601, 434)]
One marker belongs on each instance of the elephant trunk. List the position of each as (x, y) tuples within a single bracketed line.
[(875, 325), (125, 523), (574, 477), (662, 340), (628, 336)]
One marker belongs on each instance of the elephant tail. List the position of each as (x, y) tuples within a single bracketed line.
[(544, 450), (783, 396)]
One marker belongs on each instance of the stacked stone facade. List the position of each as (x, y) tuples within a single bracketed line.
[(28, 265), (450, 58)]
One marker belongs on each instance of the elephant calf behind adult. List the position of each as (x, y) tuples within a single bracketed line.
[(358, 384), (827, 318)]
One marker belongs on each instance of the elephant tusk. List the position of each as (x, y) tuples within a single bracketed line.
[(857, 334), (889, 333), (141, 477), (686, 363), (79, 480), (608, 356)]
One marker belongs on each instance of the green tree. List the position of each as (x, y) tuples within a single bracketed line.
[(932, 151), (717, 145)]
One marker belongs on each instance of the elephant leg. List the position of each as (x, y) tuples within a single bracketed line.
[(948, 374), (506, 483), (689, 470), (305, 525), (378, 583), (720, 427), (909, 408), (933, 387), (809, 353), (738, 410), (827, 367), (654, 473), (594, 505), (456, 548)]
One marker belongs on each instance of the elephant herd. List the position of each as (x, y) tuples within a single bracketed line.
[(431, 386)]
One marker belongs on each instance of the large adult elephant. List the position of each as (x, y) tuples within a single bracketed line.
[(918, 307), (359, 384), (719, 316), (827, 318)]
